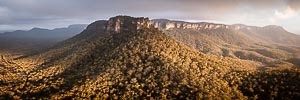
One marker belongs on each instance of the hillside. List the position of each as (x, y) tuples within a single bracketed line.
[(126, 57), (270, 45)]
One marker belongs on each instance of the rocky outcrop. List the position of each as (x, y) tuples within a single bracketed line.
[(126, 23)]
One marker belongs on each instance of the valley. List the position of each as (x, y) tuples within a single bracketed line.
[(137, 58)]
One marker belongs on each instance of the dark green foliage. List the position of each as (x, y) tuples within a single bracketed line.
[(275, 84)]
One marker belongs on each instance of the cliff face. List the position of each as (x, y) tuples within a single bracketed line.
[(168, 24), (126, 23)]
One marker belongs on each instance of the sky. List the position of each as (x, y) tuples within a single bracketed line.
[(26, 14)]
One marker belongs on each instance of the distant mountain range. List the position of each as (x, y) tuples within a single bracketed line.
[(37, 37), (57, 33)]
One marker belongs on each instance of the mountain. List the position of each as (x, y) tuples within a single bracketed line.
[(128, 58), (269, 34), (37, 37), (270, 45)]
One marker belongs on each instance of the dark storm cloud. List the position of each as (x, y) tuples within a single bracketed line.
[(51, 13)]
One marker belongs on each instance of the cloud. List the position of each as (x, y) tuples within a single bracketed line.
[(205, 9), (294, 4), (196, 9), (286, 13), (3, 13), (48, 13)]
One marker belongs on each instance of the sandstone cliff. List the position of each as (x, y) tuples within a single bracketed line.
[(169, 24), (126, 23)]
